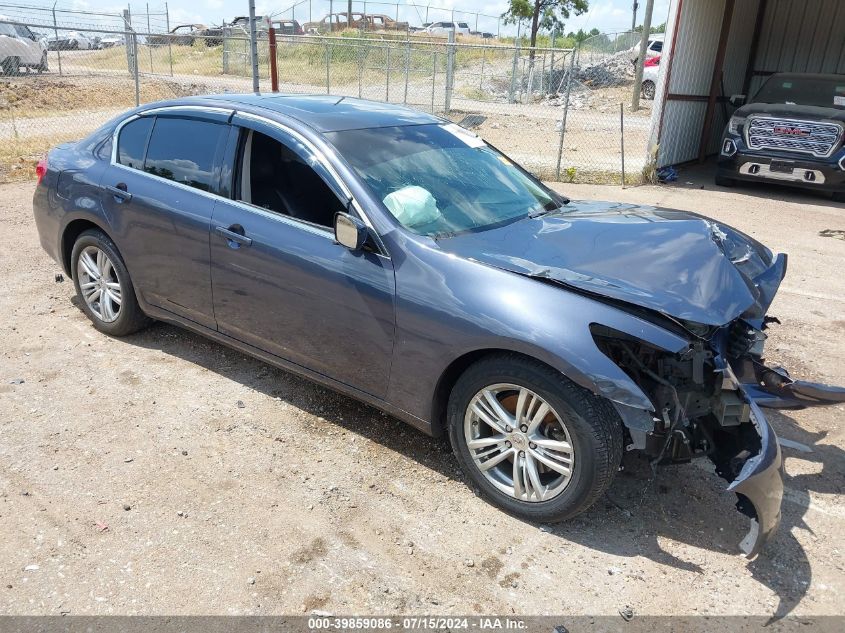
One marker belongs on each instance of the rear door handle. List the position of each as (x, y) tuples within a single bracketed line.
[(119, 192), (234, 235)]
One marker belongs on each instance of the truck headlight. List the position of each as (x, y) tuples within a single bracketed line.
[(735, 123)]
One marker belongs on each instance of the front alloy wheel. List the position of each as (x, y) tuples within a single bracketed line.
[(533, 442), (99, 284), (519, 442)]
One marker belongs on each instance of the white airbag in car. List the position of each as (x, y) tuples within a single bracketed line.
[(412, 206)]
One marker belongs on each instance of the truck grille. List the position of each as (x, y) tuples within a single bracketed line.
[(789, 135)]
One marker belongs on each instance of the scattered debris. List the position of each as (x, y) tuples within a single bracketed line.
[(102, 527), (60, 278), (17, 381), (667, 174), (127, 460), (469, 562), (627, 613), (31, 568), (240, 404), (250, 580), (127, 507), (184, 452)]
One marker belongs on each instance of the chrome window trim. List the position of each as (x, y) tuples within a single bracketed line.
[(754, 117), (312, 228)]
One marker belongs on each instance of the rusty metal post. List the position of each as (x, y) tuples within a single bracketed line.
[(274, 71)]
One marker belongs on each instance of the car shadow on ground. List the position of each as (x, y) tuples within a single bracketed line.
[(698, 177), (682, 503)]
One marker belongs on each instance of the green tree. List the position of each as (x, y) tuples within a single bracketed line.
[(545, 14)]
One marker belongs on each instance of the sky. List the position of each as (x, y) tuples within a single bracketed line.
[(606, 15)]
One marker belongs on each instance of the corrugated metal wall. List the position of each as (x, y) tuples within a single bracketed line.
[(693, 56), (805, 36), (796, 36)]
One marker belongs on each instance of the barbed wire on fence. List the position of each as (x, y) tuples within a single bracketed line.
[(554, 109)]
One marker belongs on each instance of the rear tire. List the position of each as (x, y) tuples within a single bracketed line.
[(536, 444), (725, 182), (103, 285), (11, 66)]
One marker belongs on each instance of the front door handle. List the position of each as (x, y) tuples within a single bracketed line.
[(235, 235), (119, 192)]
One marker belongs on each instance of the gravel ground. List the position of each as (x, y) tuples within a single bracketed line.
[(162, 473)]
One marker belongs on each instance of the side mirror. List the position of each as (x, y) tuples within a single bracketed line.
[(737, 101), (349, 231)]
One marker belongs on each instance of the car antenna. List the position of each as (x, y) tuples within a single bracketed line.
[(339, 100)]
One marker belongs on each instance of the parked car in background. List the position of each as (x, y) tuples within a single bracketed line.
[(20, 48), (110, 41), (336, 22), (651, 69), (381, 22), (69, 41), (653, 48), (483, 34), (288, 27), (443, 28), (791, 132), (398, 258), (186, 35)]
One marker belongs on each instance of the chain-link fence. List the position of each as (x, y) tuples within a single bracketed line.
[(555, 110)]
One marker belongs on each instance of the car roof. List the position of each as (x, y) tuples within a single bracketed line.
[(325, 113)]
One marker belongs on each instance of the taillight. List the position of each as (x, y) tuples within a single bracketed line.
[(41, 169), (653, 61)]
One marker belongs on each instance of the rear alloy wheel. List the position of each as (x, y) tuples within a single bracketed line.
[(536, 444), (103, 284), (648, 89)]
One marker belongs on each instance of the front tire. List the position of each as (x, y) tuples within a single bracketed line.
[(11, 66), (103, 285), (722, 181), (536, 444)]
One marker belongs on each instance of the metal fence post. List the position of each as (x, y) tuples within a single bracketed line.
[(512, 91), (135, 65), (56, 31), (362, 57), (450, 69), (565, 113), (150, 48), (622, 138), (328, 63), (127, 34), (227, 45), (253, 47), (169, 43), (433, 79), (387, 79), (483, 60), (407, 68)]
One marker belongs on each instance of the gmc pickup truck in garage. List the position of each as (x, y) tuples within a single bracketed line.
[(791, 132)]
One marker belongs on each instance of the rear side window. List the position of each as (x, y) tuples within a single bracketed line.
[(184, 151), (133, 141), (657, 46)]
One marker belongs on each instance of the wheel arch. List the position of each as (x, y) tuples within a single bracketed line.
[(453, 372), (70, 233)]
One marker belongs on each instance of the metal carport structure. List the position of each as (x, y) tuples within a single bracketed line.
[(717, 48)]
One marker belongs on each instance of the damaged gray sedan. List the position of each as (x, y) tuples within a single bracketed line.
[(398, 258)]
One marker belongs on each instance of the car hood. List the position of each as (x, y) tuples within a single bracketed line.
[(677, 263), (812, 113)]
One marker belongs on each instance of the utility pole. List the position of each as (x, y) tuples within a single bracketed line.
[(634, 18), (638, 75)]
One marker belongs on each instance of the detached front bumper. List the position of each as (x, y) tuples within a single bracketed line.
[(759, 486)]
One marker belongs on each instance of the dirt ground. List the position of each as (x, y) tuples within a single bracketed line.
[(163, 474)]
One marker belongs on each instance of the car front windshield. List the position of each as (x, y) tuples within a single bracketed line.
[(439, 180), (826, 92)]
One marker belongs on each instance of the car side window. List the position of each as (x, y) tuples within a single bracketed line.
[(657, 47), (184, 151), (285, 178), (133, 141)]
